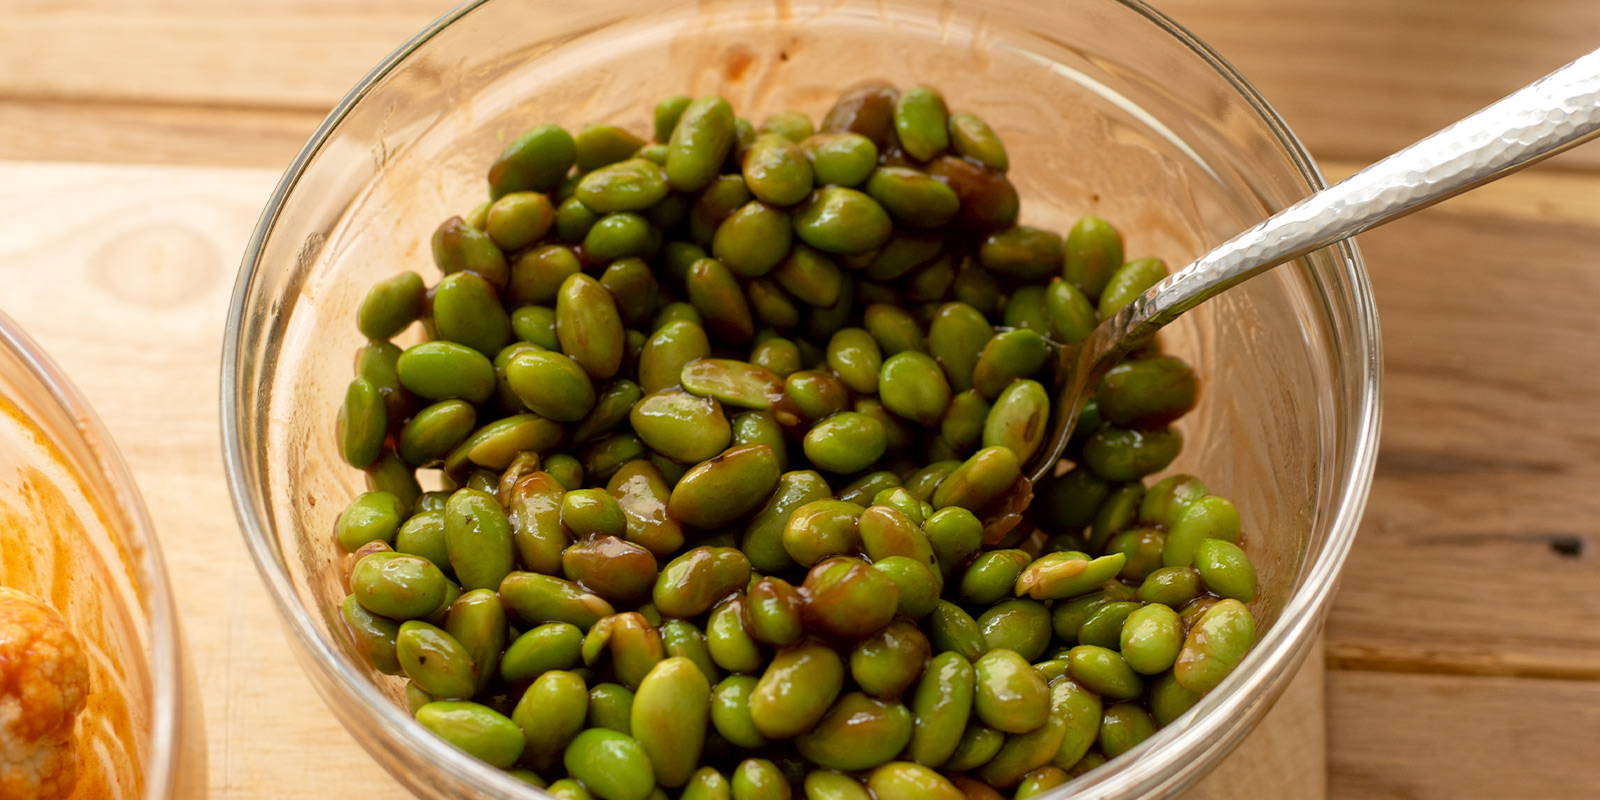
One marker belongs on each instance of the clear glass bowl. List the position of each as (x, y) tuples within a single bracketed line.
[(74, 533), (1106, 107)]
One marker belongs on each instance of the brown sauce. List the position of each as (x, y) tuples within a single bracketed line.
[(55, 545)]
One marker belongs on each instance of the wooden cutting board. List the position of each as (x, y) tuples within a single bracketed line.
[(123, 275)]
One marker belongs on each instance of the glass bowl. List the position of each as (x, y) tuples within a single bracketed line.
[(74, 534), (1107, 107)]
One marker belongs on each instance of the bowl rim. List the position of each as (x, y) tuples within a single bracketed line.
[(127, 507), (1242, 695)]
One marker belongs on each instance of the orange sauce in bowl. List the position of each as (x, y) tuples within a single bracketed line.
[(58, 545)]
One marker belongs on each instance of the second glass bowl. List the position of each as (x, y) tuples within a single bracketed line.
[(74, 535)]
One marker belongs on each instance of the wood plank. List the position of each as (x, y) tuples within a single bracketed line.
[(144, 133), (1358, 79), (1290, 745), (123, 274), (1433, 737), (1355, 78), (274, 53), (1480, 552)]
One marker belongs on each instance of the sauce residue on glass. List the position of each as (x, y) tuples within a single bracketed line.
[(57, 545)]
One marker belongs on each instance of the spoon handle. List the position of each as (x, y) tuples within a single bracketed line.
[(1541, 119)]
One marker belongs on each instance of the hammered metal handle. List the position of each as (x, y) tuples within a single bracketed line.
[(1552, 114)]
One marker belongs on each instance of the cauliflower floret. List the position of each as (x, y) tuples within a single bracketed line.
[(44, 680)]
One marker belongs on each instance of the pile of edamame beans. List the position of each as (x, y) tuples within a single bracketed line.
[(731, 428)]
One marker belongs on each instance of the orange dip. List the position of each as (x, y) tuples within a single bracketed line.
[(58, 545)]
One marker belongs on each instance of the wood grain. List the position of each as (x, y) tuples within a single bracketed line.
[(1358, 79), (130, 132), (122, 273), (123, 276), (1480, 552), (1421, 737), (262, 53), (1472, 584), (1355, 78)]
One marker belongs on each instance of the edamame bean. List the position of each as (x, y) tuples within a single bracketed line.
[(885, 664), (1210, 517), (1092, 252), (776, 170), (921, 122), (670, 713), (397, 586), (371, 517), (1128, 454), (941, 708), (730, 712), (763, 540), (599, 145), (752, 240), (480, 731), (478, 537), (540, 598), (613, 765), (847, 598), (1215, 645), (797, 688), (1168, 498), (973, 138), (846, 442), (466, 310), (537, 275), (551, 385), (446, 370), (836, 219), (519, 219), (1124, 726), (620, 571), (1018, 418), (911, 197), (978, 745), (1019, 625), (1147, 393), (857, 733), (841, 159), (373, 635), (391, 305), (551, 646), (435, 661), (1225, 569), (535, 161), (902, 780), (459, 247), (1150, 639), (829, 785), (1129, 281), (700, 140), (691, 583), (759, 779), (1103, 671), (1023, 252), (773, 611), (1011, 696), (726, 487)]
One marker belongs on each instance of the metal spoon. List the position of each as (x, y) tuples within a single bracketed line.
[(1541, 119)]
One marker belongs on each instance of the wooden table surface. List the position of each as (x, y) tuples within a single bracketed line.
[(1463, 653)]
